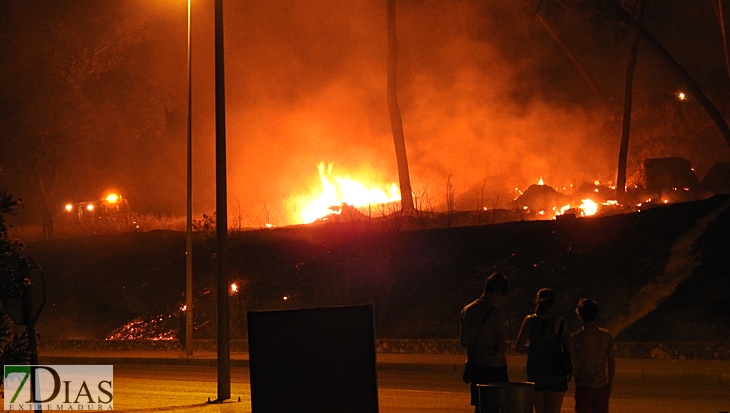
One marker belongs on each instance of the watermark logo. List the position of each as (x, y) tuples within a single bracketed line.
[(59, 387)]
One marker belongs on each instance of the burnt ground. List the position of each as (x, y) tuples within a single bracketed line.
[(659, 275)]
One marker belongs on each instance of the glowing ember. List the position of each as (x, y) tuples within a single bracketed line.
[(338, 191), (161, 327), (234, 288), (540, 181)]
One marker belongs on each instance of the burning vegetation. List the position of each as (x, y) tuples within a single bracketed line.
[(495, 92), (337, 191), (657, 182)]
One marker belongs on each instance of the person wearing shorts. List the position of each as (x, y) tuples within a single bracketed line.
[(592, 353)]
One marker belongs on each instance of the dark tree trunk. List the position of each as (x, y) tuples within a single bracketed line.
[(628, 97), (47, 223), (395, 117), (47, 196)]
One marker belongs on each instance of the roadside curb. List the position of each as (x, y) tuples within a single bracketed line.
[(631, 371)]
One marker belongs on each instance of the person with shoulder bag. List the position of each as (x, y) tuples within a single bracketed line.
[(483, 332), (543, 337)]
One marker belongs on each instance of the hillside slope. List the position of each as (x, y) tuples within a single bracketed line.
[(659, 275)]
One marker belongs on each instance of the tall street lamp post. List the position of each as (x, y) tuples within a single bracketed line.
[(224, 356), (189, 231)]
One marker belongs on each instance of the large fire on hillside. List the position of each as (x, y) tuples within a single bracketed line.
[(336, 192), (661, 181)]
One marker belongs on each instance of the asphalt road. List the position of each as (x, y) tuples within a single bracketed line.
[(147, 388)]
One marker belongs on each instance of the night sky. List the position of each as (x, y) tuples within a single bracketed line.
[(93, 97)]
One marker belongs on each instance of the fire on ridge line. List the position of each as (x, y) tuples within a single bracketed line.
[(336, 191)]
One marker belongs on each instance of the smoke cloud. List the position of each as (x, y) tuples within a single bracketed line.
[(306, 84), (490, 100)]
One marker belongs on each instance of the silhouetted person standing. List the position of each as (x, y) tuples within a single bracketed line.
[(483, 333), (543, 337), (593, 361)]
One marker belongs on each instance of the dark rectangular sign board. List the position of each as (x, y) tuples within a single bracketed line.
[(316, 360)]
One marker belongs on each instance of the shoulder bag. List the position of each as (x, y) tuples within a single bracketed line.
[(565, 363)]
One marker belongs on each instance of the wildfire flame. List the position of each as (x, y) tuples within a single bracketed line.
[(588, 207), (337, 191)]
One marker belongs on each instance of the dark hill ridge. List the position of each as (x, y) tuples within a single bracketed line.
[(417, 281)]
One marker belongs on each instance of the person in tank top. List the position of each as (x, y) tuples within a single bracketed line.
[(543, 337)]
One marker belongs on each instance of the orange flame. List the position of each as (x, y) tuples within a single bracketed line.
[(337, 191), (588, 207)]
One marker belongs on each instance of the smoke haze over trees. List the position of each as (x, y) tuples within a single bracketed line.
[(95, 93)]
